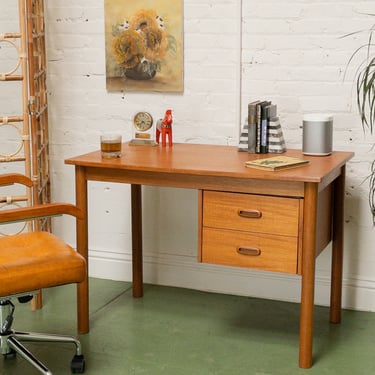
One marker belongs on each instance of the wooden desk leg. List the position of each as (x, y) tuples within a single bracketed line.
[(82, 248), (337, 247), (137, 261), (308, 276)]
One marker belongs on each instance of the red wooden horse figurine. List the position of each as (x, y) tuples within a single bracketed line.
[(165, 128)]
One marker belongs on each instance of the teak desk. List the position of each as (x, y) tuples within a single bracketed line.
[(276, 221)]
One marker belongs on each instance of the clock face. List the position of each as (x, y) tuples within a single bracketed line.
[(142, 121)]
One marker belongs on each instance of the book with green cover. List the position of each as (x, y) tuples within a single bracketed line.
[(275, 163)]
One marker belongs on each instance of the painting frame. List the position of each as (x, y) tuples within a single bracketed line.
[(144, 45)]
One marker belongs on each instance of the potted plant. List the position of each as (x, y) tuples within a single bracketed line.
[(365, 91)]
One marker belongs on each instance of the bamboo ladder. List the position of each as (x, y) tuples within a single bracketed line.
[(32, 125)]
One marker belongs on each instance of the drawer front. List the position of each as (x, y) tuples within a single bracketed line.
[(249, 212), (243, 249)]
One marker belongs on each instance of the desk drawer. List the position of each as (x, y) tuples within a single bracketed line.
[(243, 249), (249, 212)]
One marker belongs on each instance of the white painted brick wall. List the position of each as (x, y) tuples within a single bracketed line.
[(292, 53)]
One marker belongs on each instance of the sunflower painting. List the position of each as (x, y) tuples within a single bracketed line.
[(144, 45)]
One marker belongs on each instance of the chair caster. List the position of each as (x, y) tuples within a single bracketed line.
[(11, 354), (78, 364)]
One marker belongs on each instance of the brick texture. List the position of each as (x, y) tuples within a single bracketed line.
[(291, 52)]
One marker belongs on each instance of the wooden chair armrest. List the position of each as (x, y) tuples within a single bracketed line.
[(40, 211), (15, 178)]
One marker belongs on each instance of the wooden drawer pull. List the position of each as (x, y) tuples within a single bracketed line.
[(254, 214), (250, 251)]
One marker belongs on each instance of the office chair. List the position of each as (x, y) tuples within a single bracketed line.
[(32, 261)]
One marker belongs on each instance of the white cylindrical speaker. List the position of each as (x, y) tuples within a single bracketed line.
[(317, 133)]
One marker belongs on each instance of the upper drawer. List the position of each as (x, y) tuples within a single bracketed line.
[(249, 212)]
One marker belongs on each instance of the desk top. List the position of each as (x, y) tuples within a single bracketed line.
[(211, 160)]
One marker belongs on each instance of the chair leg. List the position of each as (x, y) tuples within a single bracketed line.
[(27, 355), (77, 364), (44, 337), (13, 342), (10, 341), (37, 301)]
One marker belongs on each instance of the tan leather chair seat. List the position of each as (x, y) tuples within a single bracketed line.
[(37, 260)]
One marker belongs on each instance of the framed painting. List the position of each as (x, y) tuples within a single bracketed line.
[(144, 45)]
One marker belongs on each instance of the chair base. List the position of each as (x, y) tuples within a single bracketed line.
[(10, 342)]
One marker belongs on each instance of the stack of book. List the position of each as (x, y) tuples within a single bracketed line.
[(264, 133)]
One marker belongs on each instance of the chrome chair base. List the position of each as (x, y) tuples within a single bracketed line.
[(10, 341)]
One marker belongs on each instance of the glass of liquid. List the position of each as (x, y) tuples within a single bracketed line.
[(110, 145)]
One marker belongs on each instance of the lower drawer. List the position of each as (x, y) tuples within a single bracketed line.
[(244, 249)]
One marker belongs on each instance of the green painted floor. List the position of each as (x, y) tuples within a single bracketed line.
[(173, 331)]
